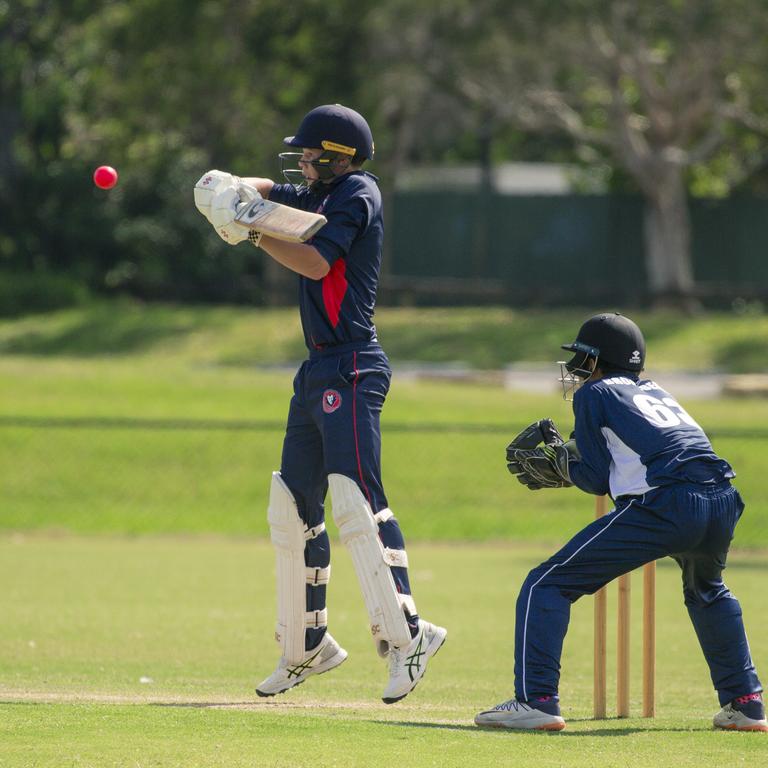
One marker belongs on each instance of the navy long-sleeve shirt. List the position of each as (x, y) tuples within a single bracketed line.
[(338, 309), (634, 436)]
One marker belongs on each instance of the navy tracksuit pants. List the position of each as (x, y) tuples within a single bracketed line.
[(694, 524), (334, 427)]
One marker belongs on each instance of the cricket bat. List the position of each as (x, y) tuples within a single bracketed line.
[(280, 221)]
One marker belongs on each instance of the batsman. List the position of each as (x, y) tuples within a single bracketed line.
[(333, 436), (673, 497)]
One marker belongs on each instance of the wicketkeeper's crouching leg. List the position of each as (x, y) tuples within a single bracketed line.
[(303, 571), (407, 645)]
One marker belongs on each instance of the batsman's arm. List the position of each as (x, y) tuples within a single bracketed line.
[(263, 185), (298, 257)]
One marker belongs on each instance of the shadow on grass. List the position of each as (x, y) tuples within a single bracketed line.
[(626, 731), (743, 355), (492, 339), (262, 706), (469, 726), (251, 704), (113, 330)]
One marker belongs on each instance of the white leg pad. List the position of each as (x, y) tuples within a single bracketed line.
[(358, 529), (289, 536)]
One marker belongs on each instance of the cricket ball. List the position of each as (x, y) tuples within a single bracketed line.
[(105, 177)]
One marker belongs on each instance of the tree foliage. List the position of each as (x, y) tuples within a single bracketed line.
[(162, 90), (667, 95)]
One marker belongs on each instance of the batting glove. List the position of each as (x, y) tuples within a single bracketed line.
[(207, 187), (225, 206)]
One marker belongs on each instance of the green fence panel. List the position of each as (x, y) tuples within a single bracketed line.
[(729, 242), (572, 246)]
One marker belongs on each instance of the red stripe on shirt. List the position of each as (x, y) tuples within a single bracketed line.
[(334, 290)]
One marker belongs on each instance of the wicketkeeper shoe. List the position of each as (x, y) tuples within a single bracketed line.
[(408, 664), (328, 655), (745, 713), (540, 714)]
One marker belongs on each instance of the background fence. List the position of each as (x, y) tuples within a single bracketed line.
[(570, 249)]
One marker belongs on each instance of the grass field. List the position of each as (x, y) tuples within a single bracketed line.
[(85, 620), (138, 446), (136, 614), (488, 337)]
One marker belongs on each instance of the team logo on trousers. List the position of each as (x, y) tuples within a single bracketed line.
[(331, 400)]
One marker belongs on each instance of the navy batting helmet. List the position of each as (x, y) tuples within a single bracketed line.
[(613, 339), (335, 128)]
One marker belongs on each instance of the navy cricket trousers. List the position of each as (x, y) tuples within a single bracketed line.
[(694, 524), (334, 427)]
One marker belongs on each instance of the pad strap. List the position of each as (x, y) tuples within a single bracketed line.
[(318, 576), (392, 557), (395, 557), (313, 533), (407, 602), (316, 619)]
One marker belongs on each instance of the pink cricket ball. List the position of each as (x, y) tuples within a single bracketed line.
[(105, 177)]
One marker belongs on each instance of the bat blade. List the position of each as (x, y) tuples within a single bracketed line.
[(280, 221)]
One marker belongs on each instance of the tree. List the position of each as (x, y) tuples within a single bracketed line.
[(163, 90), (665, 91)]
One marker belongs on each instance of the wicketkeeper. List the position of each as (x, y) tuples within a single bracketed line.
[(673, 497), (333, 437)]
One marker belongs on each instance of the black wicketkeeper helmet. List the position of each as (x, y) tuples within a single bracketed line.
[(612, 340)]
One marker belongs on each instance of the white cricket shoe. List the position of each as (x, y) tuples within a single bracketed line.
[(328, 655), (745, 713), (408, 664), (519, 715)]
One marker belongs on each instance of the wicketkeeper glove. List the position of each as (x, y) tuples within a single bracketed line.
[(545, 467), (541, 431), (541, 467)]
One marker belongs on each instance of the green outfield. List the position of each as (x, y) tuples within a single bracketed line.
[(136, 615), (486, 338), (143, 446), (120, 651)]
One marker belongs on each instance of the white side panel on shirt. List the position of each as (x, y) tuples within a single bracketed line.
[(627, 472)]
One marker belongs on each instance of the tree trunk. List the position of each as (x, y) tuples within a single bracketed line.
[(668, 242), (401, 128), (481, 236)]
